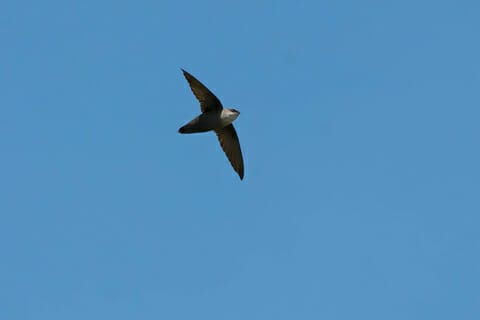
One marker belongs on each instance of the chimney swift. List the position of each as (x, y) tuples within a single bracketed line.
[(215, 117)]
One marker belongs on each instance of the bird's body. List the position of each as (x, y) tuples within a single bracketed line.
[(215, 117), (209, 121)]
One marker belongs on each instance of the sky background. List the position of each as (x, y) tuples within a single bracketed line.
[(360, 131)]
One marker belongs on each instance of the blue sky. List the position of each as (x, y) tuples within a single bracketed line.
[(360, 130)]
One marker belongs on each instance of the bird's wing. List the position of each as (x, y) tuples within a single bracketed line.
[(208, 101), (231, 146)]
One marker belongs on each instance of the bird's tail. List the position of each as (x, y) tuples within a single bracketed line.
[(182, 130), (185, 129), (193, 127)]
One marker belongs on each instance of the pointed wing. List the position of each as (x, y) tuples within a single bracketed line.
[(208, 101), (231, 146)]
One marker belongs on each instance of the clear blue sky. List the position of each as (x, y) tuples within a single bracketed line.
[(360, 130)]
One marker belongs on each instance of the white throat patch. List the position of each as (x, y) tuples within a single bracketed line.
[(228, 116)]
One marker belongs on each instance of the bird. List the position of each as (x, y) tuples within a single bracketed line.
[(214, 117)]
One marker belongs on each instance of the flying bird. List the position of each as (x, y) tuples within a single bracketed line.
[(215, 117)]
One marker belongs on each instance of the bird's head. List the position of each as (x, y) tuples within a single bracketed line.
[(235, 111), (229, 115)]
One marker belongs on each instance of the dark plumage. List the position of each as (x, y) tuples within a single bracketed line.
[(215, 117)]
